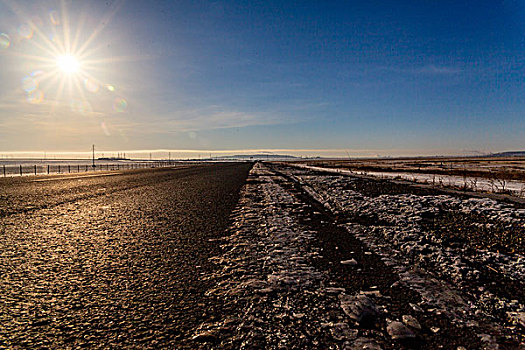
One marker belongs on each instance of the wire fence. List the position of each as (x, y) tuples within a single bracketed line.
[(45, 169)]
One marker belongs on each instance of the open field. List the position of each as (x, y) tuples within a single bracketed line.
[(271, 255), (510, 168), (488, 174)]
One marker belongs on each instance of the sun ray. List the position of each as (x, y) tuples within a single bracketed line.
[(65, 27), (81, 91), (117, 59), (44, 78), (50, 50), (86, 75), (69, 80), (51, 79), (103, 23), (80, 27), (32, 57), (58, 42), (58, 95)]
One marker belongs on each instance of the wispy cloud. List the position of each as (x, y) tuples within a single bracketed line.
[(438, 70), (209, 118), (429, 69)]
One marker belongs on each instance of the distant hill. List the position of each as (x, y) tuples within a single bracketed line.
[(509, 154), (258, 156)]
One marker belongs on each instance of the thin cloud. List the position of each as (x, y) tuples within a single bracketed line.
[(430, 69), (210, 118), (438, 70)]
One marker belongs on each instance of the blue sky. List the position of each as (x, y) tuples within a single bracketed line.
[(367, 77)]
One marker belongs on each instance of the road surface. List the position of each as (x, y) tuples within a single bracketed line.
[(114, 260)]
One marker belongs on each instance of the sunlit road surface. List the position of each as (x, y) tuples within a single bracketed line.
[(115, 261)]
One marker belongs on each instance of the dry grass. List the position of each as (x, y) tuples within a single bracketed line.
[(496, 168)]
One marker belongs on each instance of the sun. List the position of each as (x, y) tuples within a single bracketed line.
[(68, 64), (65, 65)]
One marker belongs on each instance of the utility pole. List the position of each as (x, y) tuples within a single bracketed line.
[(93, 150)]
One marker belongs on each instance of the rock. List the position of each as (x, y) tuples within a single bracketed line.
[(205, 336), (351, 262), (334, 290), (411, 321), (359, 308), (363, 343), (342, 331), (416, 308), (398, 330), (517, 318)]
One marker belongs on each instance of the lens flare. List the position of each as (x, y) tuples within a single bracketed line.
[(29, 84), (81, 107), (91, 85), (68, 64), (37, 73), (120, 105), (35, 97), (54, 18), (110, 88), (5, 42), (25, 31), (105, 129)]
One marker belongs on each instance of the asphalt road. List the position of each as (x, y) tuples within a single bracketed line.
[(111, 261)]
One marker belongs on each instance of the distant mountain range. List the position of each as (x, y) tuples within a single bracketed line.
[(509, 154), (258, 156)]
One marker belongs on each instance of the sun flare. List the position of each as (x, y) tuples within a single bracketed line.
[(65, 66), (68, 64)]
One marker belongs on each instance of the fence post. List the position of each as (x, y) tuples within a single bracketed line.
[(118, 166), (48, 169), (35, 169), (59, 168), (4, 170), (69, 168), (20, 170), (78, 168), (86, 167)]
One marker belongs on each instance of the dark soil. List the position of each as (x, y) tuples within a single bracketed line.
[(373, 274)]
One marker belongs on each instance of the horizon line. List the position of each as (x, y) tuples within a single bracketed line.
[(296, 152)]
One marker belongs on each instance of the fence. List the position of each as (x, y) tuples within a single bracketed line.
[(44, 169)]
